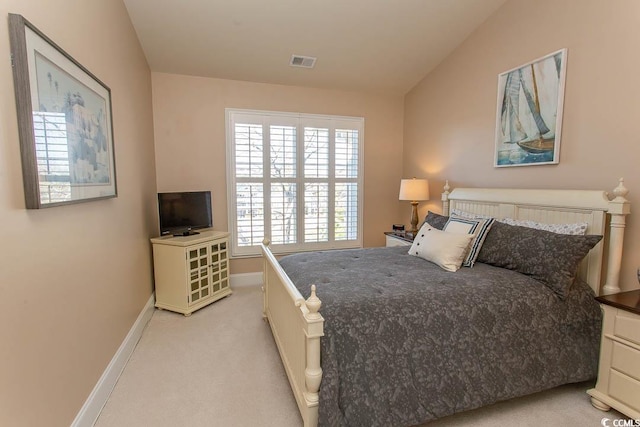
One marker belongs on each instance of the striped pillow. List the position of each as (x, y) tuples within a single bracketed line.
[(479, 228)]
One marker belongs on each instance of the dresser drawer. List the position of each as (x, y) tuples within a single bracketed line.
[(624, 389), (626, 360), (627, 326), (392, 241)]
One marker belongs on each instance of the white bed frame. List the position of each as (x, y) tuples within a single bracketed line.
[(297, 325)]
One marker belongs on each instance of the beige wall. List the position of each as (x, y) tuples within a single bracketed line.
[(189, 120), (74, 278), (450, 116)]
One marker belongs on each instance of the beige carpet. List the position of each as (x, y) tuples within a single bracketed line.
[(220, 367)]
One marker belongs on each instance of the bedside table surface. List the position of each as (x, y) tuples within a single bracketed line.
[(629, 301), (406, 236)]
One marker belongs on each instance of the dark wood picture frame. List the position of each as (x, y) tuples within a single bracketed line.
[(64, 122)]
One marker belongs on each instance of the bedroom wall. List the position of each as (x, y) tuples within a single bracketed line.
[(450, 116), (190, 146), (74, 278)]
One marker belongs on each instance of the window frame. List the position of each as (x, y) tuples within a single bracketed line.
[(300, 120)]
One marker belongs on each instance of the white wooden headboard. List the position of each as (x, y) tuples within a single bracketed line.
[(559, 207)]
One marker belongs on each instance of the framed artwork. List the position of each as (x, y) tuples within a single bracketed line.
[(64, 122), (529, 115)]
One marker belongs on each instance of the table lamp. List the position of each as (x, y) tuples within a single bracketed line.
[(414, 190)]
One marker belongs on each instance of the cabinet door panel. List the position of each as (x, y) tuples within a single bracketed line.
[(195, 296)]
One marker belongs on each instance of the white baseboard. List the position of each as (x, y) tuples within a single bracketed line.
[(100, 393), (246, 279)]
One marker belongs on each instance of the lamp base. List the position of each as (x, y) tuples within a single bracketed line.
[(414, 217)]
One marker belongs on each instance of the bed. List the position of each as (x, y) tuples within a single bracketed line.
[(398, 351)]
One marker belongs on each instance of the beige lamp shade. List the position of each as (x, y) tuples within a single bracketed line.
[(414, 189)]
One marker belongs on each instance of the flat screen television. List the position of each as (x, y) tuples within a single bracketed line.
[(182, 212)]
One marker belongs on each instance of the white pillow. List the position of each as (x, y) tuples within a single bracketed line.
[(578, 229), (477, 228), (446, 250), (465, 214)]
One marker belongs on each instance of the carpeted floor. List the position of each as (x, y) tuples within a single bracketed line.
[(220, 367)]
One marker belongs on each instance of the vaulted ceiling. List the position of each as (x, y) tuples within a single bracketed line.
[(383, 46)]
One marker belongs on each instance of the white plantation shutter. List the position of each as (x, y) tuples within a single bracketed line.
[(346, 209), (346, 191), (283, 151), (294, 179), (346, 144), (316, 153), (249, 149), (283, 213), (316, 212), (249, 213)]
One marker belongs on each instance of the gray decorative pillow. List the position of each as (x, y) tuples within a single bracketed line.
[(436, 220), (548, 257)]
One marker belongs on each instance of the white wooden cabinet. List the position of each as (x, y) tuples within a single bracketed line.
[(618, 383), (191, 271)]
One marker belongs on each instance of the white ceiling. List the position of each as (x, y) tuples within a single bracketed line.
[(383, 46)]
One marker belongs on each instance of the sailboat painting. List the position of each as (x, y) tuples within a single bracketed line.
[(529, 116)]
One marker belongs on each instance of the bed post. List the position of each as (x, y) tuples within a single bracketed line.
[(445, 198), (619, 207), (265, 278), (313, 371)]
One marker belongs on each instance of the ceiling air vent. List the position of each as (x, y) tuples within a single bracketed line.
[(302, 61)]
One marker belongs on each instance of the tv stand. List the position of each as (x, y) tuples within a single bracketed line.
[(186, 233), (184, 287)]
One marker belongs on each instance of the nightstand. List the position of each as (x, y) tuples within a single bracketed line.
[(618, 383), (399, 238)]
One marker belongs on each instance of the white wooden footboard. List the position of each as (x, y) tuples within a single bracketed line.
[(297, 327)]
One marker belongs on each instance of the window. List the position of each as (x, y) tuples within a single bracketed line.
[(295, 179)]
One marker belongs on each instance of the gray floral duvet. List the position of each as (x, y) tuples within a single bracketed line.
[(407, 342)]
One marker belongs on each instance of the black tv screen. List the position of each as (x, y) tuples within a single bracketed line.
[(184, 211)]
